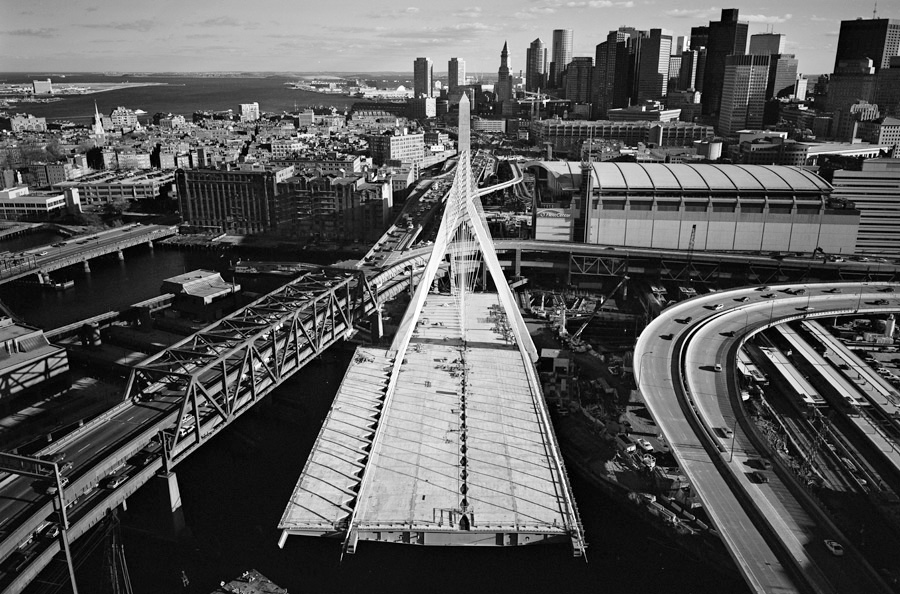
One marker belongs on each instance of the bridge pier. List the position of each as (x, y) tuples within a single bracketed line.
[(377, 323), (87, 266), (517, 262), (120, 255), (44, 278), (150, 244)]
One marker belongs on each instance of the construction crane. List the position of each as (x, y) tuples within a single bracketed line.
[(576, 337), (691, 242), (534, 98)]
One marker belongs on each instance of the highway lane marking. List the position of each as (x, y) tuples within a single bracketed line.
[(84, 448)]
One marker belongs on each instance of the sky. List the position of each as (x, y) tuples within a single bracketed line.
[(365, 36)]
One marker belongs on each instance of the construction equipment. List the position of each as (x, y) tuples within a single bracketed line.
[(575, 339)]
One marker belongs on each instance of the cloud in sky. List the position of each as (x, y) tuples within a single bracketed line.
[(143, 25), (761, 18), (44, 32), (472, 12), (226, 21), (693, 13)]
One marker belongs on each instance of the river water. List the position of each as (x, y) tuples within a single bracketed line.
[(235, 489)]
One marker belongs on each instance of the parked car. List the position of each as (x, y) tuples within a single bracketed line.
[(113, 481), (645, 445)]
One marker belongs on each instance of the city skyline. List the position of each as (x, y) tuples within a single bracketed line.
[(335, 37)]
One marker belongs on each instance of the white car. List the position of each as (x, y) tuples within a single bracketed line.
[(835, 547), (645, 445)]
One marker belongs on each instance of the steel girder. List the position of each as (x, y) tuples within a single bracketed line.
[(221, 371), (598, 265)]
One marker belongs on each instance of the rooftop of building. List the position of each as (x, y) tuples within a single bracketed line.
[(692, 177), (198, 283), (126, 177)]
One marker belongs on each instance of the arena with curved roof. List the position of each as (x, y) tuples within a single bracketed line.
[(671, 206)]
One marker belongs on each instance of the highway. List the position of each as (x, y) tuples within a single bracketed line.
[(82, 248), (775, 540)]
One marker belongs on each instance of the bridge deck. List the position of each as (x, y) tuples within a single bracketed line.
[(463, 435)]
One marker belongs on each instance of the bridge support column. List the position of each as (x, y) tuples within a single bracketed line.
[(44, 278), (517, 262), (150, 244), (377, 323), (87, 266), (120, 255)]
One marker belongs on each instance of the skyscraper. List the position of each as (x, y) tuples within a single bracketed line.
[(743, 93), (456, 70), (726, 37), (876, 39), (536, 66), (766, 44), (422, 77), (615, 72), (652, 65), (578, 79), (562, 55), (782, 75), (504, 81)]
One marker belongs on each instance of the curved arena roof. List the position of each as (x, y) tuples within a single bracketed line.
[(693, 178)]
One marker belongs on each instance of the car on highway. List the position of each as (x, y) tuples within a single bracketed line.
[(744, 299), (806, 308), (833, 290), (645, 445), (49, 531), (887, 290), (881, 302), (718, 307), (51, 487), (43, 253), (762, 463), (758, 477), (59, 244), (113, 481), (726, 432), (717, 367), (763, 288), (687, 320), (728, 333), (835, 547), (768, 295)]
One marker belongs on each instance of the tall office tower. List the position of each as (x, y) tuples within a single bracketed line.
[(652, 66), (877, 39), (766, 44), (674, 73), (743, 93), (562, 55), (615, 72), (504, 80), (693, 66), (456, 70), (536, 66), (853, 81), (422, 77), (464, 134), (726, 37), (699, 37), (887, 89), (782, 75), (679, 44), (578, 79)]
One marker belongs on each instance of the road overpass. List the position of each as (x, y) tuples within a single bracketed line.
[(80, 250), (774, 531)]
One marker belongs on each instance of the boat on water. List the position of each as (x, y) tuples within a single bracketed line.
[(250, 582), (250, 267)]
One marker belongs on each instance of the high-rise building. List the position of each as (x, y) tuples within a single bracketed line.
[(726, 37), (766, 44), (562, 55), (782, 75), (887, 89), (578, 79), (674, 73), (876, 39), (536, 66), (652, 66), (456, 70), (852, 82), (504, 80), (679, 44), (693, 67), (699, 37), (615, 72), (743, 93), (422, 77)]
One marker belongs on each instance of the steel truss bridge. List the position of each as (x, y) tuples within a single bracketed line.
[(182, 397)]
